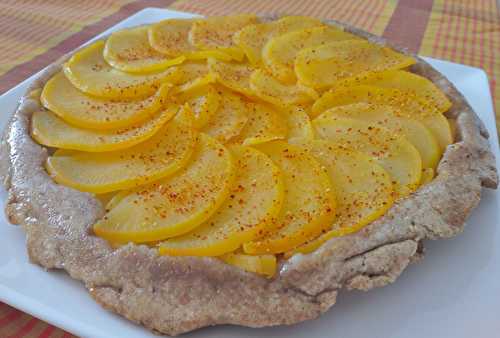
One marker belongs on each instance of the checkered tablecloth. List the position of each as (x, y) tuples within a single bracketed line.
[(34, 33)]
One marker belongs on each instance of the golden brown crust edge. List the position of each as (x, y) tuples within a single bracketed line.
[(173, 295)]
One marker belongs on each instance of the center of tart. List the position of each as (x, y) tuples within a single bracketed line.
[(239, 139)]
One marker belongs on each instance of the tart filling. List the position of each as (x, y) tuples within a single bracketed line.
[(244, 140)]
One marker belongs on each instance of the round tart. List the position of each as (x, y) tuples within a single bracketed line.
[(239, 170)]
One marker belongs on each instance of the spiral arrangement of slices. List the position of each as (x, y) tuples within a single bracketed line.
[(240, 139)]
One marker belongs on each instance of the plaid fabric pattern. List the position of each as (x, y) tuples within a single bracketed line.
[(36, 32), (467, 32)]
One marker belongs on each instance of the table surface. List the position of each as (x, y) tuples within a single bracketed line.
[(36, 32)]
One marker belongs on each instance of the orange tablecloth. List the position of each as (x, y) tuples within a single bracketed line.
[(34, 33)]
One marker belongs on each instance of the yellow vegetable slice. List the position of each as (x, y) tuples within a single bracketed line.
[(309, 206), (299, 124), (216, 34), (427, 176), (194, 75), (280, 52), (204, 101), (117, 197), (170, 37), (440, 127), (404, 104), (252, 38), (363, 189), (264, 124), (50, 130), (129, 50), (384, 116), (105, 198), (322, 66), (85, 111), (229, 119), (393, 152), (197, 83), (271, 90), (161, 155), (88, 71), (410, 82), (260, 264), (234, 76), (191, 70), (254, 201), (175, 205)]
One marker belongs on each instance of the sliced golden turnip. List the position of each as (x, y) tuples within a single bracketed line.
[(89, 72), (175, 205), (51, 131), (309, 206), (82, 110), (168, 151), (254, 201), (363, 189), (393, 152), (129, 50)]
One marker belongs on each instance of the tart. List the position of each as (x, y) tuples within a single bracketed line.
[(239, 170)]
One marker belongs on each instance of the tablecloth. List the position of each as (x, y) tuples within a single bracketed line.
[(34, 33)]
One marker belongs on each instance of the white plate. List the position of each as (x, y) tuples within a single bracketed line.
[(454, 292)]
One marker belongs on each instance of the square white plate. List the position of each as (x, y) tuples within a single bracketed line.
[(453, 292)]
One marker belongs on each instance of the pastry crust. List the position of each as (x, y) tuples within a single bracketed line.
[(173, 295)]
